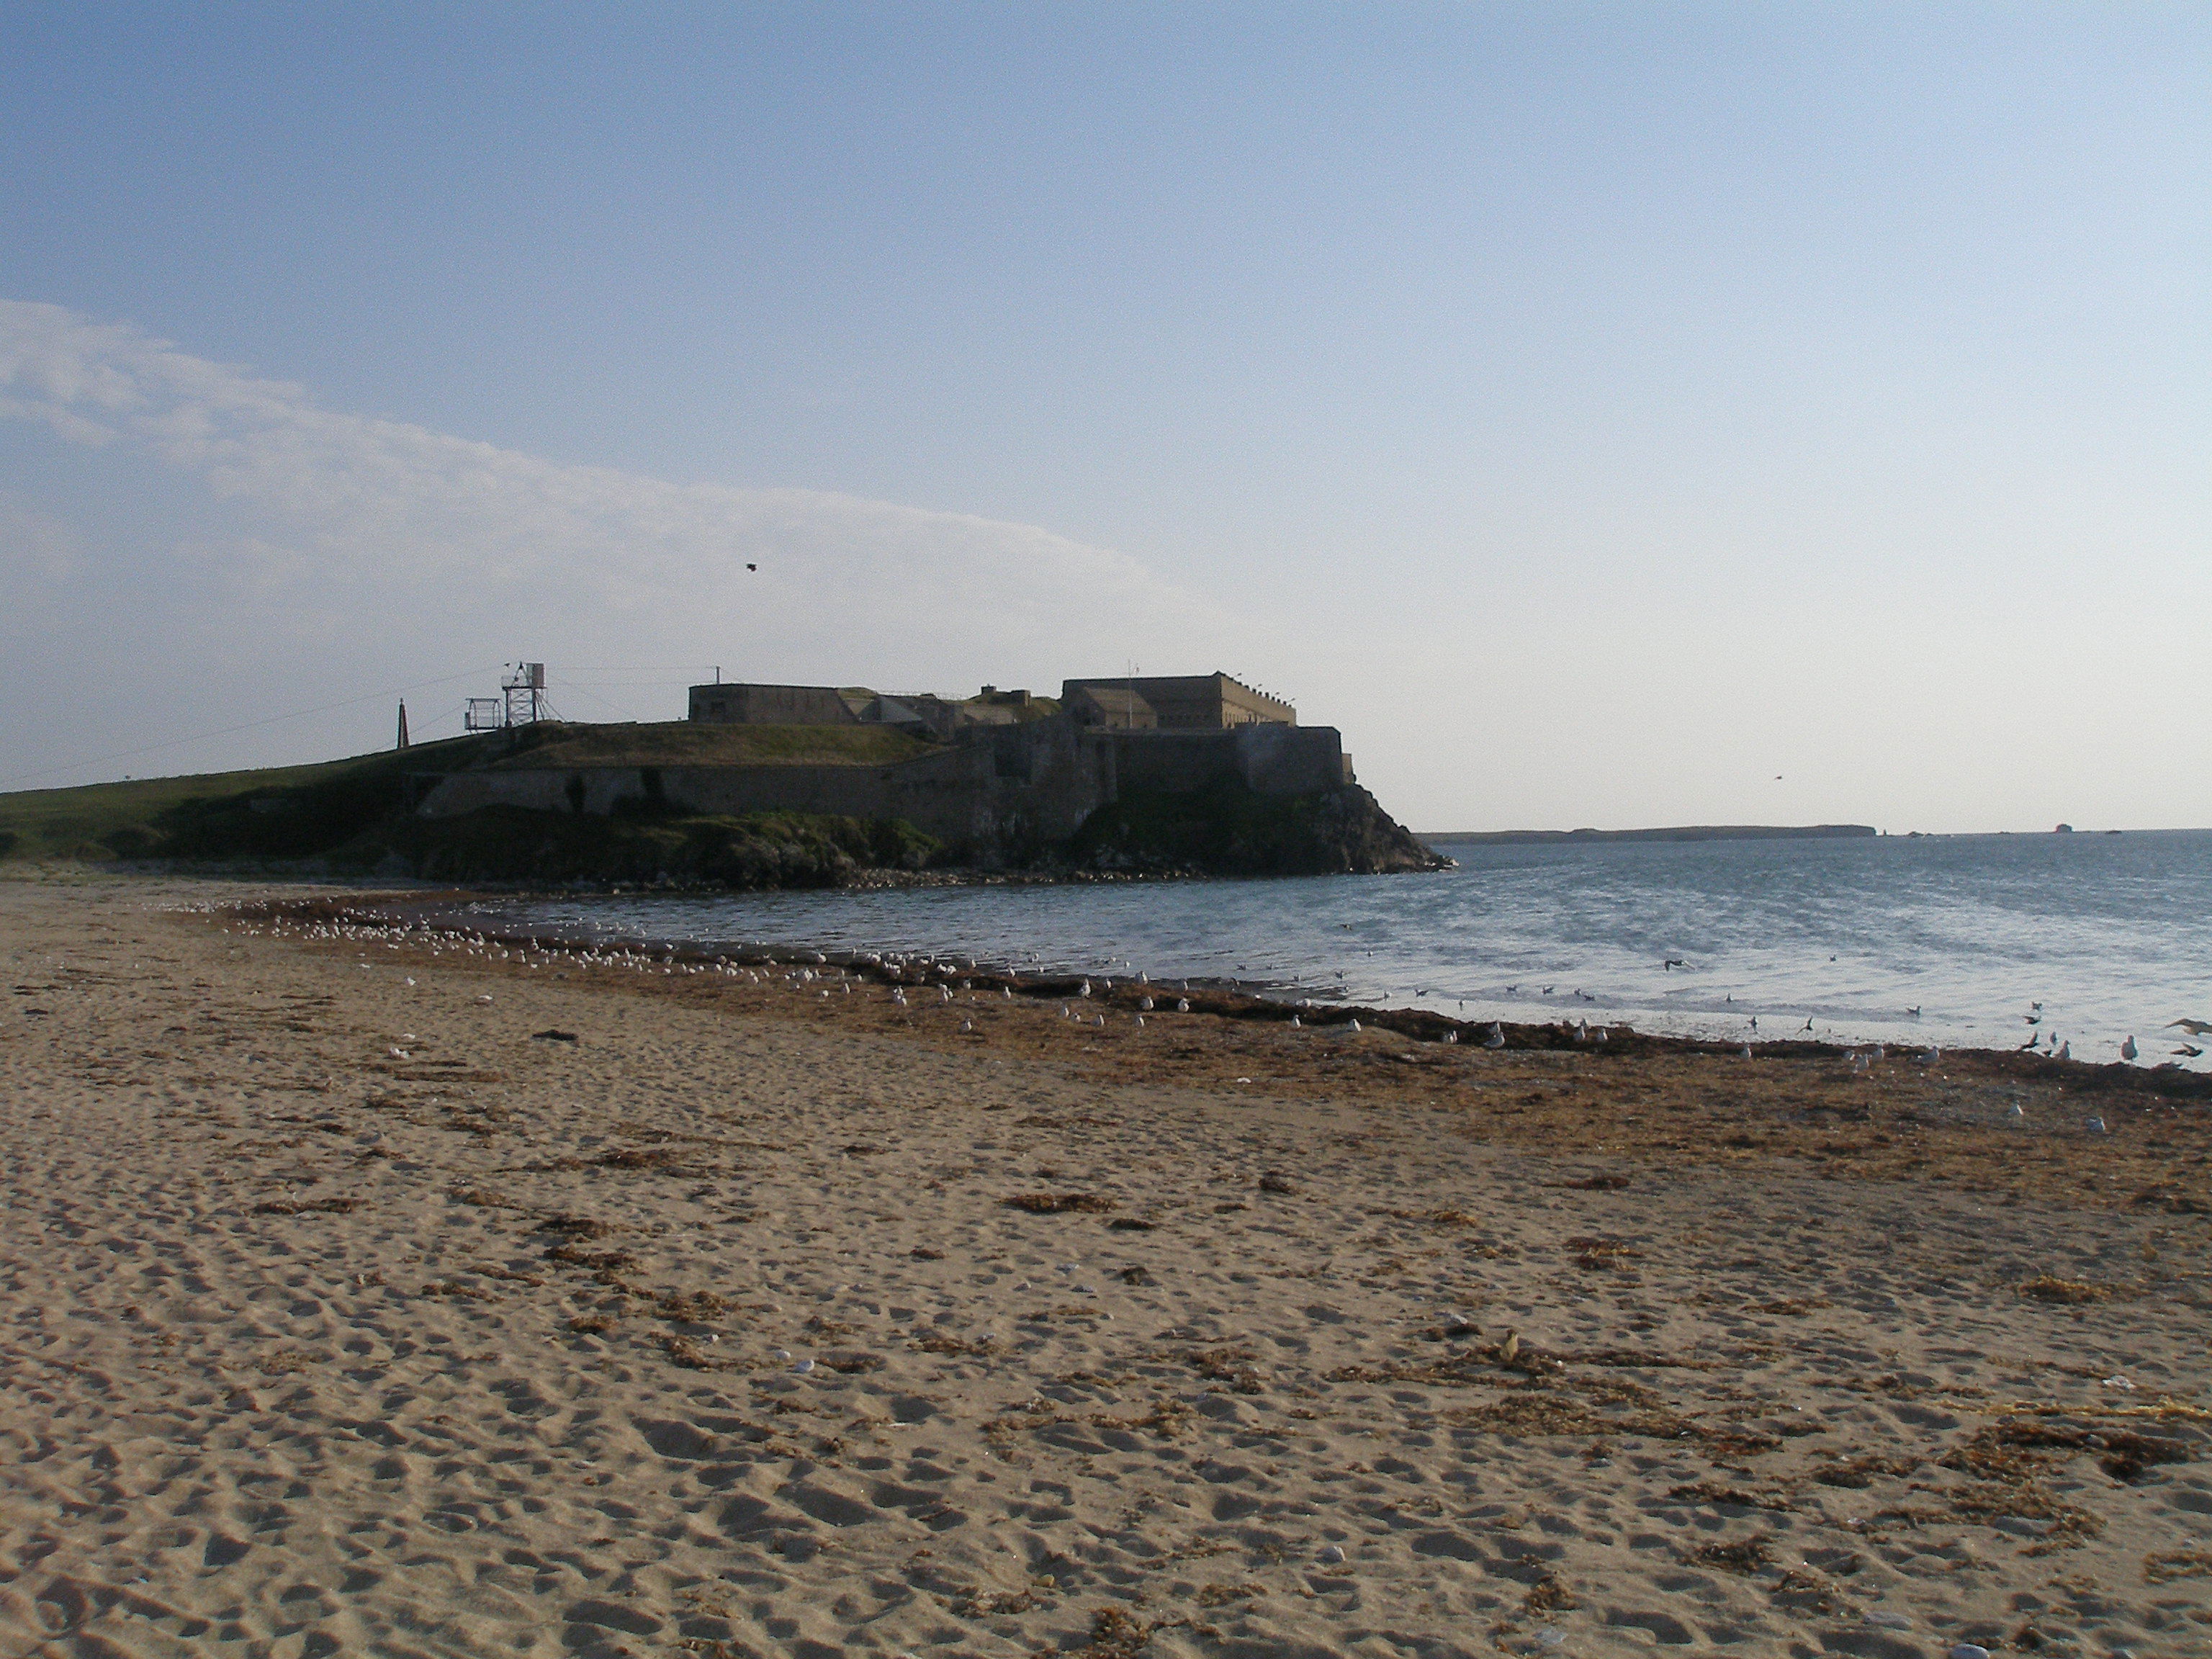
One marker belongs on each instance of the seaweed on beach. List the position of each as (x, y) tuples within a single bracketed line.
[(1060, 1203), (2048, 1287)]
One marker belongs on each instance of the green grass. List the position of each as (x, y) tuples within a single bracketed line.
[(150, 817), (684, 743), (359, 808)]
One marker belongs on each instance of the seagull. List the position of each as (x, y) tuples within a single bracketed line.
[(1931, 1056), (2194, 1027), (1548, 990), (2066, 1051), (1673, 963), (1808, 1022), (752, 566), (2188, 1052), (1914, 1011), (1744, 1053), (1355, 1026), (1755, 1021), (2033, 1019), (2128, 1049), (1496, 1038)]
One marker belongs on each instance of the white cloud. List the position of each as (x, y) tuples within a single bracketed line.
[(338, 531)]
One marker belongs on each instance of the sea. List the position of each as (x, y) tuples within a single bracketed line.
[(1953, 941)]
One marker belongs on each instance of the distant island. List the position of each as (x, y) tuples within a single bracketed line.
[(780, 785), (1684, 832)]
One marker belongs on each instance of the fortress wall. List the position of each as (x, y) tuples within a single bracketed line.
[(1002, 788), (1267, 758), (1034, 782)]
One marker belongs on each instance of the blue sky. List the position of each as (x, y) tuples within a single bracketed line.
[(1596, 410)]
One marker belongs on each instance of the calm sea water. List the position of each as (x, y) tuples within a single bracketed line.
[(2112, 934)]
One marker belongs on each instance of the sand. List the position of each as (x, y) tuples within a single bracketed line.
[(374, 1297)]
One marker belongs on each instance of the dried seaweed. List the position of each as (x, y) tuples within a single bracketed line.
[(2164, 1569), (1060, 1203), (692, 1307), (1746, 1556), (2047, 1287)]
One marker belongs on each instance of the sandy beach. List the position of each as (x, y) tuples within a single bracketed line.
[(370, 1294)]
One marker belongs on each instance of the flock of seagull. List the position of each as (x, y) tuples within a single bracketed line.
[(2058, 1048)]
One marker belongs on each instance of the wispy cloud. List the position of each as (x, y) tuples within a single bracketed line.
[(335, 527)]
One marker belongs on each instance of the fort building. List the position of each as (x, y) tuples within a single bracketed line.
[(734, 704), (1001, 769), (1185, 703)]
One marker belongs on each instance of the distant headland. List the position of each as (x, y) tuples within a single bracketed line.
[(782, 786), (1683, 832)]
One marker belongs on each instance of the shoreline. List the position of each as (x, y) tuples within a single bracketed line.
[(395, 1292), (440, 912)]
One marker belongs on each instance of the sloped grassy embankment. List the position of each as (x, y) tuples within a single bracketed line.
[(356, 817)]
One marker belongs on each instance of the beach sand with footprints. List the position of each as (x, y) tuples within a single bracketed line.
[(372, 1293)]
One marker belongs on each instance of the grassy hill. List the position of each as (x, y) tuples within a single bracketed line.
[(309, 811)]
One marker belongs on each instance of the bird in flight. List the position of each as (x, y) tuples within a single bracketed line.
[(2194, 1027), (752, 566), (2188, 1052)]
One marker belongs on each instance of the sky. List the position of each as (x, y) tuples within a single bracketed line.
[(1606, 415)]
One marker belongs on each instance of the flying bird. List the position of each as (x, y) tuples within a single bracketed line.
[(2194, 1027), (2188, 1052), (752, 566)]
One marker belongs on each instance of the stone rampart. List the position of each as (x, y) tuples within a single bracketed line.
[(997, 791)]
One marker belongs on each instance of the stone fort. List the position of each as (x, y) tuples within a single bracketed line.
[(1000, 770)]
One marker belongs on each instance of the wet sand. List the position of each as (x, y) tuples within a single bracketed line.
[(381, 1295)]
